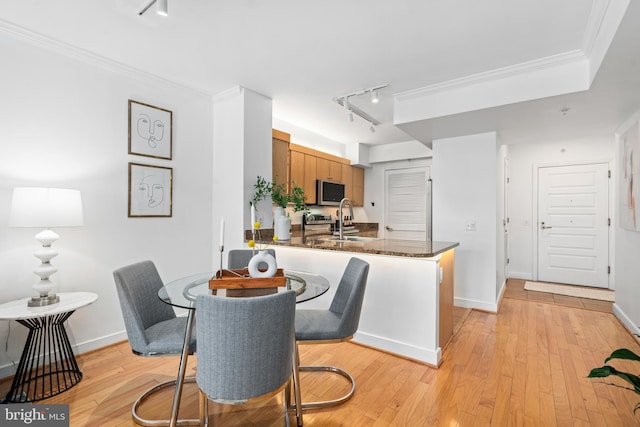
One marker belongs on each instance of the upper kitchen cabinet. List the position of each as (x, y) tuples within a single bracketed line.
[(329, 170), (280, 160), (305, 166), (303, 173), (357, 184)]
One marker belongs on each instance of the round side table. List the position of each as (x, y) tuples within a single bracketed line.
[(47, 366)]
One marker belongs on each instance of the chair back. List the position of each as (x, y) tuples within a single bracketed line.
[(239, 258), (245, 345), (138, 285), (347, 302)]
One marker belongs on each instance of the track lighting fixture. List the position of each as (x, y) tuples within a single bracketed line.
[(352, 109), (162, 7)]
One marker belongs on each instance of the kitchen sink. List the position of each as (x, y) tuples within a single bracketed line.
[(351, 239)]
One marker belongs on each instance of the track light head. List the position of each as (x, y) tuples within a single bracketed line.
[(351, 116), (374, 96), (163, 8), (372, 128)]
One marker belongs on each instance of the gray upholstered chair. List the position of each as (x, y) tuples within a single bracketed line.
[(245, 348), (153, 329), (239, 258), (338, 323)]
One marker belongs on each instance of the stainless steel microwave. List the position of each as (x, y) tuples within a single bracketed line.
[(329, 193)]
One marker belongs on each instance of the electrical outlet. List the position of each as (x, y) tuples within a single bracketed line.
[(470, 226)]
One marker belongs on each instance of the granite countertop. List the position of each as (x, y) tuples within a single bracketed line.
[(405, 248)]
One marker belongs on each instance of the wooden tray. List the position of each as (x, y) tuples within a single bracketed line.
[(239, 279)]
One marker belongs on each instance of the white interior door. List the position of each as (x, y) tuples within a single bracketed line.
[(407, 204), (573, 241)]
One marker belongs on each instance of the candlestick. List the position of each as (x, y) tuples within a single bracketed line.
[(253, 217), (221, 233)]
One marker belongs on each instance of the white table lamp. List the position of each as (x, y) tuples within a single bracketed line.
[(45, 208)]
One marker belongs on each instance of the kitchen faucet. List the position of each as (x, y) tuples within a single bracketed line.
[(341, 218)]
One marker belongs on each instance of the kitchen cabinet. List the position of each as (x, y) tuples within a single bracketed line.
[(347, 179), (357, 184), (305, 165), (280, 158), (329, 170), (303, 173)]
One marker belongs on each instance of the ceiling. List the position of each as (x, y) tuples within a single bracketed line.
[(303, 54)]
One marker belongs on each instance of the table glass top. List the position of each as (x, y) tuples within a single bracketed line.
[(183, 292)]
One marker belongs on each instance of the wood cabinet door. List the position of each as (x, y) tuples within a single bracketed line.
[(357, 182), (347, 180), (303, 173), (280, 162)]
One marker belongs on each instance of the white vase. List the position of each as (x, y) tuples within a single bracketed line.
[(262, 259), (284, 228), (278, 212)]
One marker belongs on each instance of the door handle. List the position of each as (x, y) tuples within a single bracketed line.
[(388, 228), (545, 227)]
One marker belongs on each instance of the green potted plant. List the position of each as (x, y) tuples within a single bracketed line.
[(606, 371), (281, 199)]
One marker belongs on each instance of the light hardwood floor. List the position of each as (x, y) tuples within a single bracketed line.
[(525, 366)]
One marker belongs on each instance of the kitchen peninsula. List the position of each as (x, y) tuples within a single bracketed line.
[(408, 302)]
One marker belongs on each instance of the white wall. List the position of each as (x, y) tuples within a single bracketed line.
[(627, 255), (523, 162), (64, 123), (464, 174)]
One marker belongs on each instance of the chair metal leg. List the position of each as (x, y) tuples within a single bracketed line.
[(160, 423), (296, 386), (333, 402), (301, 406)]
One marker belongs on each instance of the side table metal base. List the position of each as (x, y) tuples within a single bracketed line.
[(47, 366)]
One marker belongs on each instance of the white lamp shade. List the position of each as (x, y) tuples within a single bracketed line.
[(45, 207)]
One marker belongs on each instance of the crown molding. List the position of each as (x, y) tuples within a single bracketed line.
[(36, 39), (575, 56)]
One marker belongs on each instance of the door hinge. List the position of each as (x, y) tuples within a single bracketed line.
[(507, 180), (609, 173), (609, 222), (507, 260), (608, 269)]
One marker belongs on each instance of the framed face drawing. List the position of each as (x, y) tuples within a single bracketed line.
[(150, 190), (150, 130)]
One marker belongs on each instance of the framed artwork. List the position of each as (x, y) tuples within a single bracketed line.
[(150, 130), (150, 190), (630, 174)]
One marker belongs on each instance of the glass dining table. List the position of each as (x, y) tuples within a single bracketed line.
[(182, 293)]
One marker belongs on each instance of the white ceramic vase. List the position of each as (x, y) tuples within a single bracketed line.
[(278, 212), (261, 260), (284, 228)]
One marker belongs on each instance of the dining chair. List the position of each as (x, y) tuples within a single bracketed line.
[(239, 258), (336, 324), (153, 329), (245, 349)]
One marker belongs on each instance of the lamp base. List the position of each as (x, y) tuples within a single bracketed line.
[(42, 301)]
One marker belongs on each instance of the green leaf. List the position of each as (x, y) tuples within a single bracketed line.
[(623, 353), (606, 371)]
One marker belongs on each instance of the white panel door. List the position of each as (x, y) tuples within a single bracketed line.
[(573, 241), (407, 204)]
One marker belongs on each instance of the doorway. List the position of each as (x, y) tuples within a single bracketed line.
[(573, 224), (407, 203)]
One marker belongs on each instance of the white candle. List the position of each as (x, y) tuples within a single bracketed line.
[(253, 218), (222, 232)]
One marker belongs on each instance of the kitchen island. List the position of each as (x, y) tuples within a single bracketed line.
[(408, 302)]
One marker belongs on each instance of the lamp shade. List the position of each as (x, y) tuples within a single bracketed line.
[(45, 207)]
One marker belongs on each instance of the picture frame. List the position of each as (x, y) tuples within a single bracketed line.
[(629, 190), (150, 191), (150, 131)]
